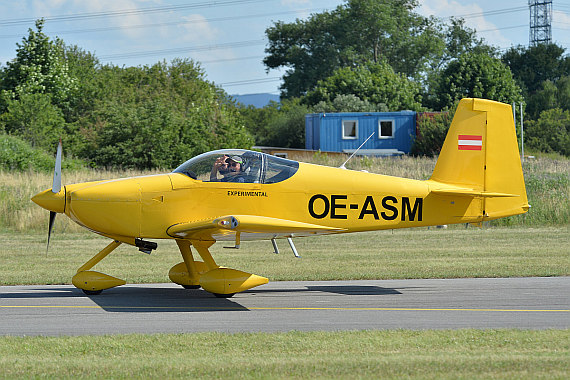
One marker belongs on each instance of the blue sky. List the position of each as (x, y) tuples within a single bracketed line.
[(228, 36)]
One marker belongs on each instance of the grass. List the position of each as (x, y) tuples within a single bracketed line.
[(548, 188), (472, 354), (415, 253)]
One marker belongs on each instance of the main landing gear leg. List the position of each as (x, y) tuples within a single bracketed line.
[(92, 282), (202, 248)]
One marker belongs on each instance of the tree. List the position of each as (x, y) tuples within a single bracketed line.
[(258, 120), (459, 40), (352, 34), (348, 103), (432, 130), (135, 117), (533, 65), (35, 119), (549, 95), (85, 68), (391, 31), (158, 116), (550, 133), (287, 129), (476, 75), (39, 68), (375, 83), (308, 49)]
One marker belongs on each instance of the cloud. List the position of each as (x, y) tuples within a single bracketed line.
[(560, 17), (123, 21), (198, 29), (49, 8), (448, 8), (294, 3)]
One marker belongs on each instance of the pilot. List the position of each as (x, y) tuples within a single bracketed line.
[(231, 169)]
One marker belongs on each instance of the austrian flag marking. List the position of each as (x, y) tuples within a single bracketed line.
[(469, 142)]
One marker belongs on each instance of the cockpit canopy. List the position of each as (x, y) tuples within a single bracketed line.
[(255, 167)]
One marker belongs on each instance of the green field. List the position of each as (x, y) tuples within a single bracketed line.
[(459, 354), (412, 253)]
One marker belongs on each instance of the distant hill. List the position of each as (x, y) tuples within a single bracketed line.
[(256, 100)]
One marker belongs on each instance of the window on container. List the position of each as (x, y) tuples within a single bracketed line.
[(386, 129), (349, 129)]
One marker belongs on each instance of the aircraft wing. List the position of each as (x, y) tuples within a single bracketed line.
[(250, 227)]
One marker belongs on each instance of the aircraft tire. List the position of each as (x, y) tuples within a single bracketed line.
[(91, 292), (221, 295), (191, 286)]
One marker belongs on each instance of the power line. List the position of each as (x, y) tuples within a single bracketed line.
[(234, 59), (503, 28), (150, 53), (128, 12), (491, 13), (250, 81), (174, 23)]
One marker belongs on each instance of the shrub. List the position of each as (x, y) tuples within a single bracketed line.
[(550, 133), (431, 131), (18, 155)]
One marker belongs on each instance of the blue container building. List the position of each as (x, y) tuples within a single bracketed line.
[(344, 132)]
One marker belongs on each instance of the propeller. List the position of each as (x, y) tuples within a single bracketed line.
[(52, 215), (55, 188)]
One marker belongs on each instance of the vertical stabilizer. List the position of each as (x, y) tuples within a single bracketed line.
[(481, 153)]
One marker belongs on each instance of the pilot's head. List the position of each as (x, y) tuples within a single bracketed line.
[(235, 165)]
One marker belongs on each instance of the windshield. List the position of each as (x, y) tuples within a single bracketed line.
[(224, 166), (279, 169), (238, 165)]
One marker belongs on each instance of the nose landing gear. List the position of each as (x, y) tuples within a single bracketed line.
[(92, 282)]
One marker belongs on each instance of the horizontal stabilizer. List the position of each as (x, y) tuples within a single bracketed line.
[(472, 193)]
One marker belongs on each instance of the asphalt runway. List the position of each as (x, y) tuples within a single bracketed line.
[(525, 303)]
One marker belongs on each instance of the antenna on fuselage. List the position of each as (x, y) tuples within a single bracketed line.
[(352, 155)]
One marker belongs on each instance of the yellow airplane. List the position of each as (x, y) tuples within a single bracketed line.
[(238, 195)]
